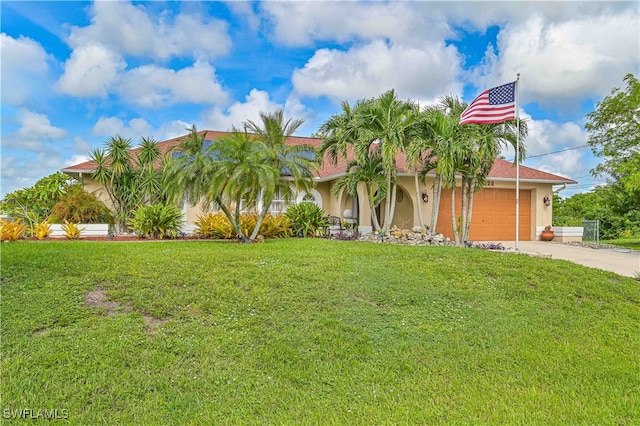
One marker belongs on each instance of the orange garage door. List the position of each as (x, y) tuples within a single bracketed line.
[(494, 214)]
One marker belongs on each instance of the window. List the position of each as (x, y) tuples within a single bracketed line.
[(279, 203), (311, 196)]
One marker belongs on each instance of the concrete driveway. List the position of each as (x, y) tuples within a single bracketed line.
[(621, 261)]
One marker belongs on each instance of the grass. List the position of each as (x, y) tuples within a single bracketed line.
[(632, 243), (315, 332)]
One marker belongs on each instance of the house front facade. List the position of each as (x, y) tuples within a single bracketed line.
[(494, 206)]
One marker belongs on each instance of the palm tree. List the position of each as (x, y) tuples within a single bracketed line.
[(241, 174), (371, 172), (484, 143), (294, 163), (437, 146), (389, 123)]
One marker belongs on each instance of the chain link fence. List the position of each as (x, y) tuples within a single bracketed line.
[(591, 230)]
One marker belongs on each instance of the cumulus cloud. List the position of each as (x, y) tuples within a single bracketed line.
[(245, 10), (152, 86), (563, 61), (174, 129), (90, 71), (366, 71), (34, 133), (21, 172), (24, 65), (347, 21), (134, 31), (111, 126), (239, 112)]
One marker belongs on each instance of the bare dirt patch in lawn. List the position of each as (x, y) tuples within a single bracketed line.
[(98, 299)]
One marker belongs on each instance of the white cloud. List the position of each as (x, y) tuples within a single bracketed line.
[(18, 173), (302, 23), (90, 71), (152, 86), (239, 112), (563, 61), (246, 11), (24, 65), (366, 71), (34, 133), (112, 126), (75, 159), (132, 30), (174, 129)]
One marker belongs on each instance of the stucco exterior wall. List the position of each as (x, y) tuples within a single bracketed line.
[(410, 206)]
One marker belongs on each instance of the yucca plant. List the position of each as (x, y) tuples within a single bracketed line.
[(11, 231), (307, 219), (71, 230), (42, 230), (157, 221)]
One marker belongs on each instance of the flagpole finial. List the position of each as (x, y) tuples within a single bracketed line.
[(518, 76)]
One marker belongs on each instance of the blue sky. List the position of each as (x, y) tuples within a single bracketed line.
[(75, 73)]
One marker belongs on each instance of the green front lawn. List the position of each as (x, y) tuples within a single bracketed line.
[(315, 332), (632, 243)]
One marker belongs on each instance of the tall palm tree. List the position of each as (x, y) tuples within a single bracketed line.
[(484, 144), (437, 146), (241, 174), (294, 163), (389, 123), (370, 171), (227, 173)]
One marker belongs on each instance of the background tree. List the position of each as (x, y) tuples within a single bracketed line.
[(34, 204), (614, 135)]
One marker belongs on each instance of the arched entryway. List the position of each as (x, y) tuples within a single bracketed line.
[(403, 216)]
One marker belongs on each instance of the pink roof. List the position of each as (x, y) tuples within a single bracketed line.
[(501, 170)]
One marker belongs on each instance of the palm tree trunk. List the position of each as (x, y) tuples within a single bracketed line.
[(387, 205), (263, 213), (472, 186), (235, 223), (463, 210), (418, 200), (372, 207), (392, 209), (435, 208), (454, 221)]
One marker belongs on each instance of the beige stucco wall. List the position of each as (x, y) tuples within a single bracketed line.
[(406, 214)]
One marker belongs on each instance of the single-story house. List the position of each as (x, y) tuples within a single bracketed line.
[(494, 215)]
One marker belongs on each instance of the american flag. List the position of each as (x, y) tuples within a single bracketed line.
[(495, 105)]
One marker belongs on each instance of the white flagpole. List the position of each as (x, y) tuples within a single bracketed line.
[(518, 162)]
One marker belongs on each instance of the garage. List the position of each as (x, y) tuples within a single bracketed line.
[(494, 214)]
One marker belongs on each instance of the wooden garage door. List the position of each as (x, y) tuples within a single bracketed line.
[(494, 214)]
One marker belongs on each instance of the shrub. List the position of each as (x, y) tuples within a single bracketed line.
[(217, 225), (71, 230), (307, 219), (157, 221), (214, 225), (79, 206), (276, 227), (42, 230), (11, 231)]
